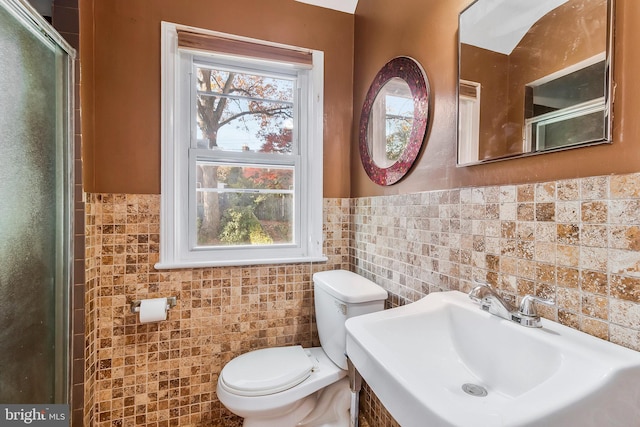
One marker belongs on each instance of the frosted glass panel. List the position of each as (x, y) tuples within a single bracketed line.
[(33, 207)]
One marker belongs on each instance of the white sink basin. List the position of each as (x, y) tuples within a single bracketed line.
[(417, 358)]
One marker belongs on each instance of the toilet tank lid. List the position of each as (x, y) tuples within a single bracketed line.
[(349, 287)]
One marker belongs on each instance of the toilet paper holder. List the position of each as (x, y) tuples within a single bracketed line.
[(135, 304)]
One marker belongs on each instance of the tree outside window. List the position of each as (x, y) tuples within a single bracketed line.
[(244, 204)]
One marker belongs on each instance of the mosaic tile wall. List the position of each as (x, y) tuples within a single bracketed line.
[(164, 374), (577, 241)]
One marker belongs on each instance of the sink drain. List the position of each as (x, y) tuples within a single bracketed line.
[(474, 390)]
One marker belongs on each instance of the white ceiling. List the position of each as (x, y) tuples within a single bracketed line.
[(499, 25), (496, 25), (348, 6)]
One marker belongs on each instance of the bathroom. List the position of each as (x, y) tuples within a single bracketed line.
[(403, 236)]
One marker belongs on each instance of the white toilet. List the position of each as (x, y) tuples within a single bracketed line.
[(293, 386)]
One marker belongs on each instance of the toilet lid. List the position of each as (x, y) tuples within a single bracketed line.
[(266, 371)]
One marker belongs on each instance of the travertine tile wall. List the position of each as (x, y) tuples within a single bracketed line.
[(577, 241), (164, 374)]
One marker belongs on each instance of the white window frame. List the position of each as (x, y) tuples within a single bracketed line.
[(177, 204), (585, 108), (469, 125)]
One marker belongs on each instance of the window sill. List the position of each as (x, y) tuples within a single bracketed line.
[(231, 263)]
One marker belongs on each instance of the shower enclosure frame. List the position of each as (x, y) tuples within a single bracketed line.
[(65, 180)]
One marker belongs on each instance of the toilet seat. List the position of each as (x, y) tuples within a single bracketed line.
[(266, 371)]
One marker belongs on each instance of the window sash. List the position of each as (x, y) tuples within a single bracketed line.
[(259, 160), (276, 71), (240, 97)]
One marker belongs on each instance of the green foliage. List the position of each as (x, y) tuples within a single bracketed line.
[(258, 236), (235, 225), (398, 135), (241, 226)]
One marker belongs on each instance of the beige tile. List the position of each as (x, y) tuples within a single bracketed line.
[(526, 268), (568, 189), (508, 229), (594, 235), (594, 188), (525, 287), (625, 237), (595, 212), (508, 211), (625, 313), (508, 265), (568, 277), (569, 319), (625, 186), (478, 195), (624, 262), (568, 299), (508, 194), (625, 337), (596, 306), (625, 212), (595, 327), (625, 288), (545, 192), (594, 258), (545, 252), (525, 249), (568, 211), (546, 232), (568, 256), (568, 234), (594, 281), (545, 273), (545, 212), (526, 230), (526, 193)]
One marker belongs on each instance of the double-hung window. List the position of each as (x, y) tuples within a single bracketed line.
[(241, 151)]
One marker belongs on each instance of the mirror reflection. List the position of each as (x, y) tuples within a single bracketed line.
[(390, 122), (394, 120), (533, 77)]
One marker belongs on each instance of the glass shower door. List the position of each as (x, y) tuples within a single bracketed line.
[(35, 207)]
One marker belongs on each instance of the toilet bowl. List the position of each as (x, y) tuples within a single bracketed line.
[(293, 386), (268, 403)]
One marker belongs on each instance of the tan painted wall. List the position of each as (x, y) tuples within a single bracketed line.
[(121, 98), (494, 96), (427, 31), (120, 77)]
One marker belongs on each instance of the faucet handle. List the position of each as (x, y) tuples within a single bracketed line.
[(528, 308)]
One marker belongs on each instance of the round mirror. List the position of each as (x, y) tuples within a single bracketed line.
[(394, 120)]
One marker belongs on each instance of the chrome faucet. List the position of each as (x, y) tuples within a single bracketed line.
[(491, 301)]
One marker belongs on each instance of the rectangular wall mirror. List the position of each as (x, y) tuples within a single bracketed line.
[(534, 77)]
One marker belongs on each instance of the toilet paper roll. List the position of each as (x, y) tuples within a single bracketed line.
[(153, 310)]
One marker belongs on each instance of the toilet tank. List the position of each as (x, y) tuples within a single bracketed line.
[(340, 295)]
